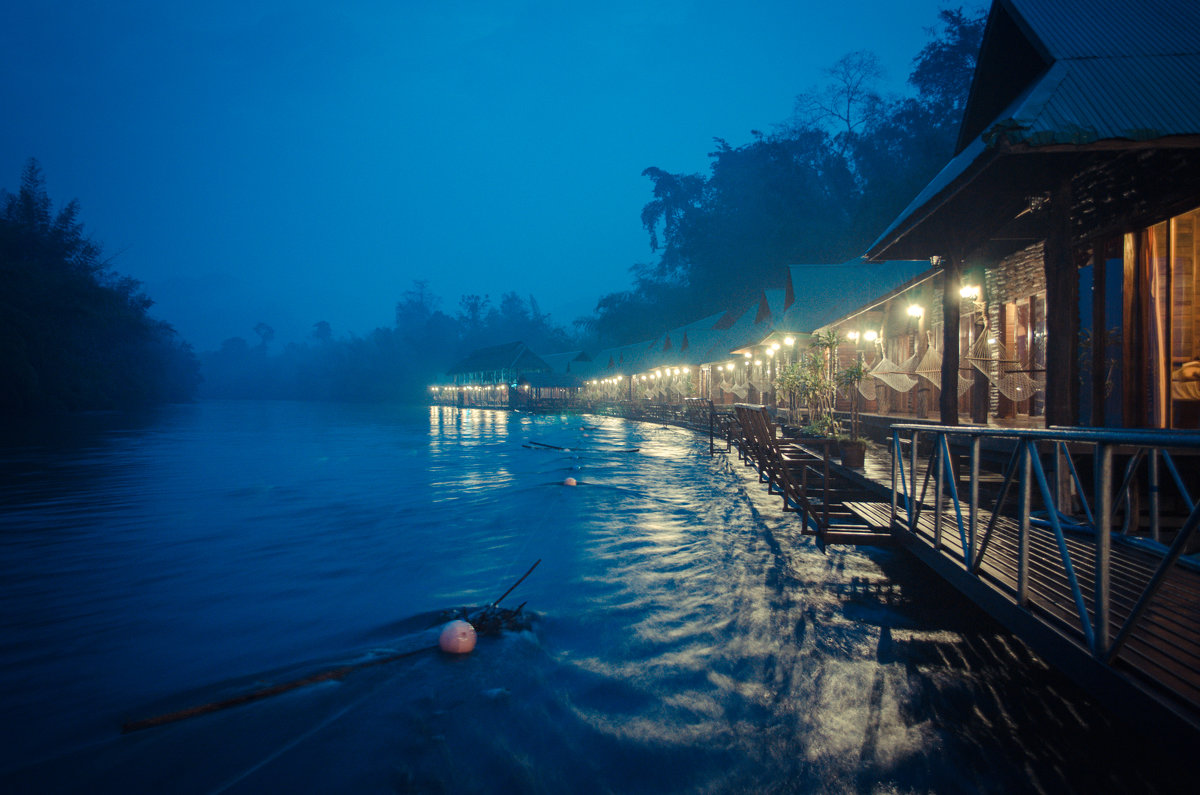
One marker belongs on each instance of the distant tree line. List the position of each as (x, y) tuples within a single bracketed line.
[(74, 335), (392, 363), (819, 189)]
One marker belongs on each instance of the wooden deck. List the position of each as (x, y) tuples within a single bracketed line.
[(1160, 660)]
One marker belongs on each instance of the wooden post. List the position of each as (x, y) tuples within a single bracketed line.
[(1099, 333), (951, 306), (1062, 313)]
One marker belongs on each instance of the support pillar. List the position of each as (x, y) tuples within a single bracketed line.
[(1062, 313), (951, 312)]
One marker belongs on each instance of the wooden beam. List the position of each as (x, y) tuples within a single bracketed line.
[(1100, 253), (951, 313), (1062, 313)]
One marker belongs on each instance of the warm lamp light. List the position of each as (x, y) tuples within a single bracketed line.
[(789, 340), (970, 291), (915, 310), (852, 336), (871, 336)]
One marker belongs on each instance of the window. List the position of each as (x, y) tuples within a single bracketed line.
[(1167, 254)]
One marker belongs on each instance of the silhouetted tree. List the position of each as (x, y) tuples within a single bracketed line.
[(820, 189), (74, 334)]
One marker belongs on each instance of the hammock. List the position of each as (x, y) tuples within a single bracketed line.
[(866, 389), (898, 377), (740, 390), (1013, 381), (930, 369)]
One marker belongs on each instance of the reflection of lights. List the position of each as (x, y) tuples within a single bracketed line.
[(871, 335), (757, 362), (991, 340), (915, 310)]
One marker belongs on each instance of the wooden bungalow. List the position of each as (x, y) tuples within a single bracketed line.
[(1064, 229), (489, 376), (813, 296)]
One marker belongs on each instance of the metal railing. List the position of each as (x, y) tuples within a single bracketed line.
[(1068, 504)]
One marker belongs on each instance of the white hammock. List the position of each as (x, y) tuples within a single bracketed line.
[(930, 369), (898, 377), (1013, 380)]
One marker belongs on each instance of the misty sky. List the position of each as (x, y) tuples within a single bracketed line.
[(290, 162)]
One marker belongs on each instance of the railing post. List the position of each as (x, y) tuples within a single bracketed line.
[(940, 458), (976, 442), (1154, 525), (1023, 538), (1103, 472), (912, 481), (895, 460)]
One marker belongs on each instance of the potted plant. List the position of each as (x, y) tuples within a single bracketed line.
[(854, 449), (816, 387)]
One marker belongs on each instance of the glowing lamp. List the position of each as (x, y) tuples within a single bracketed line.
[(871, 336), (970, 291), (789, 341), (915, 310)]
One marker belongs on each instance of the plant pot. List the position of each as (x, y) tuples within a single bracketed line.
[(853, 454)]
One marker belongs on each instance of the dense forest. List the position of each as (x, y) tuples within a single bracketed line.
[(820, 187), (74, 335)]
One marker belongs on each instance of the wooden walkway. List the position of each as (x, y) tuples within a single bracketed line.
[(1159, 663), (1153, 680)]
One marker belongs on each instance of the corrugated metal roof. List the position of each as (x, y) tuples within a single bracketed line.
[(826, 292), (1110, 28), (510, 356), (1088, 100), (1123, 70)]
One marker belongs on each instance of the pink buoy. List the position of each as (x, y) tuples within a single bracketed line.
[(458, 637), (570, 482)]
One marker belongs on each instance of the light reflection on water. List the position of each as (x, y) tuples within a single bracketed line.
[(687, 639)]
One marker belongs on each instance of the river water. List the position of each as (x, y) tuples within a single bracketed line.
[(685, 637)]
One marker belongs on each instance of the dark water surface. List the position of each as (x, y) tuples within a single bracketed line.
[(687, 638)]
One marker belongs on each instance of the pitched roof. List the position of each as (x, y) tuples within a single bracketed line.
[(565, 362), (510, 356), (1068, 75), (826, 292)]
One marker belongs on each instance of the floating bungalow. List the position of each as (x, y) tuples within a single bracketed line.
[(492, 376), (1063, 232)]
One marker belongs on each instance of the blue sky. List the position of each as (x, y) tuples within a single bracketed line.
[(295, 162)]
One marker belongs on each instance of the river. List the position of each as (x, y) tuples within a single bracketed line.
[(685, 637)]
